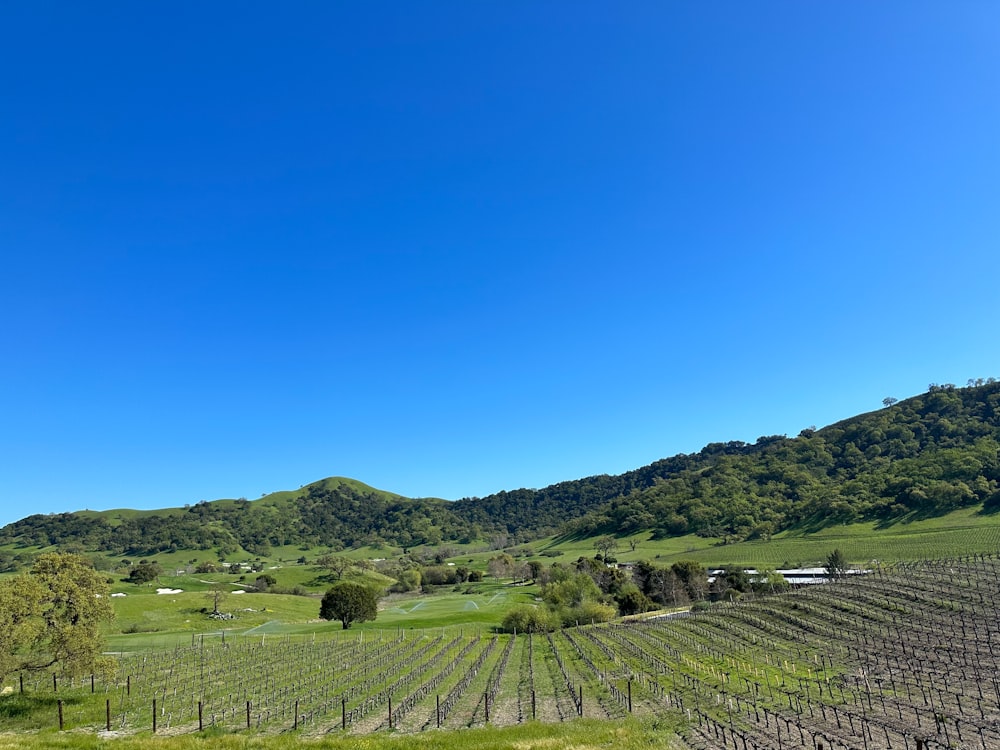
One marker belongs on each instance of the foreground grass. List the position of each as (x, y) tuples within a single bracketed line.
[(581, 734)]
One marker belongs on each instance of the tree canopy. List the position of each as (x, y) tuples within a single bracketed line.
[(52, 616), (349, 602)]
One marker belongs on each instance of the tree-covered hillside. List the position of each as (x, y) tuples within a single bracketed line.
[(334, 512), (923, 456)]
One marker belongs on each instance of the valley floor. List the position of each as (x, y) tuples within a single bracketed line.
[(877, 661)]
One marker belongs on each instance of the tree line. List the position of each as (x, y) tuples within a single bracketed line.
[(920, 457)]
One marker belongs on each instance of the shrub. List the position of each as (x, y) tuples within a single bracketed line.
[(409, 580), (586, 612), (525, 618), (264, 582), (631, 601), (144, 572), (438, 575)]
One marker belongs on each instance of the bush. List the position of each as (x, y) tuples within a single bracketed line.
[(730, 595), (138, 628), (438, 575), (631, 601), (585, 613), (409, 580), (264, 582), (144, 572), (524, 618)]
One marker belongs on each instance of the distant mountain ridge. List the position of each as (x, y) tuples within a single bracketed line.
[(923, 456)]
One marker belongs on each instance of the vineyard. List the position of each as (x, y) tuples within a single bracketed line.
[(902, 658)]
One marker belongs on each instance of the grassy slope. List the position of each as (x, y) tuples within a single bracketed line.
[(958, 533)]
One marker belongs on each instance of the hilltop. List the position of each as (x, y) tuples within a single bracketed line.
[(919, 458)]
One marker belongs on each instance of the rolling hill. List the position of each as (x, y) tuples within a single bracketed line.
[(919, 458)]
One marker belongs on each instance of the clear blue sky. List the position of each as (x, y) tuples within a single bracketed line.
[(451, 248)]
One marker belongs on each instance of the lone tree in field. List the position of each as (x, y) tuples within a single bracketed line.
[(336, 564), (606, 545), (217, 594), (349, 602)]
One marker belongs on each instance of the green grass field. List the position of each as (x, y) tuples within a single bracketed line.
[(147, 620), (581, 734), (959, 533)]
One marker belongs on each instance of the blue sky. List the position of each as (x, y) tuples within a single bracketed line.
[(453, 248)]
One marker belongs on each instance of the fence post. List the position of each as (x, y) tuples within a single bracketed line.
[(580, 711), (248, 714), (154, 715), (630, 696), (296, 723), (59, 703), (201, 723), (486, 697), (438, 711), (343, 714), (107, 714), (390, 712)]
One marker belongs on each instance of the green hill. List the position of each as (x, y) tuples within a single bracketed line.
[(919, 458)]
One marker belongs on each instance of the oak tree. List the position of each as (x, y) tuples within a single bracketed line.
[(52, 617), (349, 602)]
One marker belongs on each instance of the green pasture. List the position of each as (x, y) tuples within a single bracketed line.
[(485, 607), (148, 620), (961, 532)]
